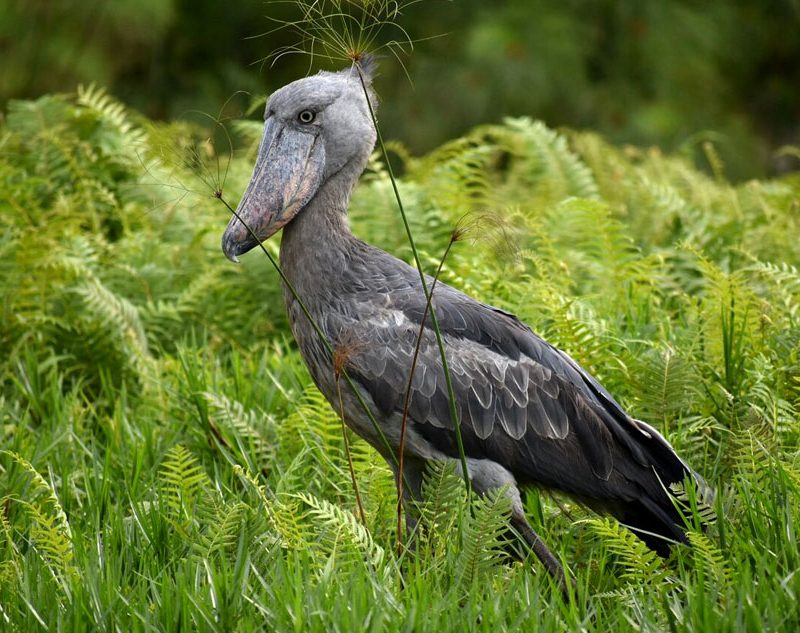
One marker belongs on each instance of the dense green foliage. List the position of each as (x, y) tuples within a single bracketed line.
[(640, 71), (167, 464)]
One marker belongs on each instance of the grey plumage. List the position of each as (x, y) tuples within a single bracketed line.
[(529, 414)]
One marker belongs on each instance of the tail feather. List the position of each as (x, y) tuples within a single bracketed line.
[(657, 515), (657, 526)]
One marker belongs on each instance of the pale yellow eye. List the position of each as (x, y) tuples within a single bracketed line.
[(306, 116)]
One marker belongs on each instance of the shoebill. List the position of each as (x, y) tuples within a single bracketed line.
[(529, 415)]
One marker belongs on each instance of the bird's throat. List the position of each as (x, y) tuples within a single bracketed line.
[(315, 245)]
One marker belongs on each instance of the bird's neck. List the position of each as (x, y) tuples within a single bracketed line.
[(323, 218), (316, 243)]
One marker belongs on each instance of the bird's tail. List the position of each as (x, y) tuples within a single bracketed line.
[(661, 515)]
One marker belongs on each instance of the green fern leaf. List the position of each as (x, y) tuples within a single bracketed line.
[(638, 565), (253, 434), (343, 526), (483, 539), (50, 530), (223, 530), (182, 480)]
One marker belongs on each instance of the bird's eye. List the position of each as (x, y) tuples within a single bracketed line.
[(306, 116)]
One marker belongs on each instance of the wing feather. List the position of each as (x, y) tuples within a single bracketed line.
[(521, 402), (516, 395)]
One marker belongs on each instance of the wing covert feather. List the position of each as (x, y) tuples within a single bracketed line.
[(521, 402), (492, 390), (511, 387)]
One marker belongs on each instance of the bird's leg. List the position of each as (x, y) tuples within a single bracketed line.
[(485, 476), (543, 553)]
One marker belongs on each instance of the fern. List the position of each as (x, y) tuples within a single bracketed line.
[(546, 162), (601, 256), (457, 176), (116, 313), (709, 560), (339, 527), (665, 385), (223, 530), (182, 481), (189, 302), (50, 530), (701, 439), (127, 138), (52, 543), (785, 279), (770, 415), (697, 497), (483, 540), (246, 430), (637, 564), (313, 434), (729, 317), (443, 499), (10, 566), (283, 516), (42, 488)]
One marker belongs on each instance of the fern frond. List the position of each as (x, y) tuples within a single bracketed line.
[(52, 542), (483, 539), (50, 530), (665, 385), (579, 333), (709, 559), (457, 175), (113, 114), (784, 279), (598, 247), (117, 313), (697, 496), (10, 566), (548, 169), (78, 260), (343, 526), (283, 516), (770, 414), (443, 497), (638, 565), (700, 438), (313, 431), (245, 427), (41, 487), (223, 530), (182, 480)]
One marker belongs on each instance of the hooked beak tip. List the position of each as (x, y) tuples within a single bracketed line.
[(230, 248), (236, 242)]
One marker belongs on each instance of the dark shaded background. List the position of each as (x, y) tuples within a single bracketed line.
[(676, 73)]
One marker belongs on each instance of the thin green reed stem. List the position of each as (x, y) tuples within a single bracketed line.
[(428, 297), (314, 324), (407, 398)]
